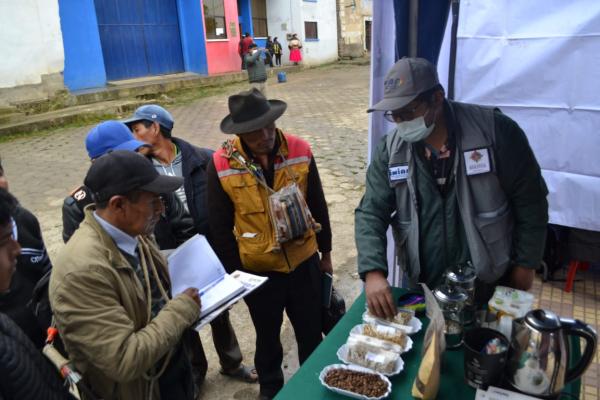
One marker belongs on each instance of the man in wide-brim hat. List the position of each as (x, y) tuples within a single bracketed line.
[(257, 157)]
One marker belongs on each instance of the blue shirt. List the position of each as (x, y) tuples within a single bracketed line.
[(125, 242)]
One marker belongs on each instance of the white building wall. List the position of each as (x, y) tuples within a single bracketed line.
[(30, 41), (287, 17), (326, 48)]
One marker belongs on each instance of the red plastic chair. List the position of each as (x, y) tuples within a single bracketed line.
[(573, 267)]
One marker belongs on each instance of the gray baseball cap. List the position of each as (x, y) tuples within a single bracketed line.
[(407, 79)]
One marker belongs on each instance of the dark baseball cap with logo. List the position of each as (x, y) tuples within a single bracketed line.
[(121, 171), (407, 79)]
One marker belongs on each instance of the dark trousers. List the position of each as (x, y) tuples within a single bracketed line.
[(299, 294), (225, 342), (278, 59), (176, 381)]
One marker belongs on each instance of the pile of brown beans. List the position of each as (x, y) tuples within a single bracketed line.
[(369, 385)]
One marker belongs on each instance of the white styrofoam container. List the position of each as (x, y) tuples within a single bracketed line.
[(354, 368)]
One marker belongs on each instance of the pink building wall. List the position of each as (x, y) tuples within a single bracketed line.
[(222, 55)]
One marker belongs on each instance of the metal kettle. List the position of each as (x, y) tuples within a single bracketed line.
[(539, 352)]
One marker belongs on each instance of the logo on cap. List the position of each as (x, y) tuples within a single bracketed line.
[(392, 84), (153, 116)]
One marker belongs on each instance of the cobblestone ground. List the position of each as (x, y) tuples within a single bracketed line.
[(326, 106)]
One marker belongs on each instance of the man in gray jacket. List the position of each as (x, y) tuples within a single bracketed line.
[(257, 73), (457, 182)]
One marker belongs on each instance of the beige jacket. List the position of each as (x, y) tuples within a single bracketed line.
[(101, 313)]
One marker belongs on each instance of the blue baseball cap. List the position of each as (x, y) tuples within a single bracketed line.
[(152, 113), (110, 135)]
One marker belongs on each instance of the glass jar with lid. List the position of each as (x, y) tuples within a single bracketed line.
[(463, 276), (452, 301)]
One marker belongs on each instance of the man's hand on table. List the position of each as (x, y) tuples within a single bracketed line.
[(379, 295), (521, 277)]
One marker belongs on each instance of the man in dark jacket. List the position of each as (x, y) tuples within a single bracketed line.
[(102, 138), (171, 156), (21, 362), (457, 183), (257, 73), (32, 264), (269, 51)]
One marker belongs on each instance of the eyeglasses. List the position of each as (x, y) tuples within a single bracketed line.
[(402, 114)]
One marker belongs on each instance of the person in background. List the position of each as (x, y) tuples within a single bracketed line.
[(294, 46), (257, 73), (110, 288), (102, 138), (277, 50), (32, 264), (269, 52), (173, 156), (243, 46), (242, 232), (24, 373), (458, 183)]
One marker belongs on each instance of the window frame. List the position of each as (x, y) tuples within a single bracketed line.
[(211, 35), (308, 38)]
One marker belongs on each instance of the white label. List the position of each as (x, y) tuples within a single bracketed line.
[(477, 161), (398, 173), (376, 358), (385, 330)]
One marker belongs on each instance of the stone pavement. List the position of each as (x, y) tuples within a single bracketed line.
[(327, 107)]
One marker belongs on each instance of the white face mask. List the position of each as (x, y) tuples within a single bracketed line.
[(414, 130)]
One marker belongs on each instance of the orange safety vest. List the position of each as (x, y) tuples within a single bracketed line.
[(253, 230)]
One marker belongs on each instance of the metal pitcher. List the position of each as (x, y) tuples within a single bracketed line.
[(539, 352)]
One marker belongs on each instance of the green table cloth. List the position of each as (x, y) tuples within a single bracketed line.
[(305, 383)]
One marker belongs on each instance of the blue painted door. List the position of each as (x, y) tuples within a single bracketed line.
[(139, 37)]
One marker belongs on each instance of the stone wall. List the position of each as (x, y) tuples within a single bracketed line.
[(352, 37)]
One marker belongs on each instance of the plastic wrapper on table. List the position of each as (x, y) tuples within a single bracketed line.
[(414, 325), (386, 331)]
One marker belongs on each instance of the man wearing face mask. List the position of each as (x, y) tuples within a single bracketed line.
[(457, 182)]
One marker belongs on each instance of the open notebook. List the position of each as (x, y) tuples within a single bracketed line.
[(195, 264)]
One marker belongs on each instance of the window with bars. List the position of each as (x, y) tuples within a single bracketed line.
[(259, 18), (310, 30), (214, 19)]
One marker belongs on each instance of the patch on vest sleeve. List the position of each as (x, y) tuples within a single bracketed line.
[(398, 173), (477, 161)]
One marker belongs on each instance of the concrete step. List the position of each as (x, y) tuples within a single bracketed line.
[(117, 98), (58, 118), (6, 118)]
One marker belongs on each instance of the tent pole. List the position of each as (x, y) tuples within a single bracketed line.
[(453, 39), (413, 27)]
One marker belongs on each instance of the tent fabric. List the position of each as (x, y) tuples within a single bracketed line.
[(539, 64)]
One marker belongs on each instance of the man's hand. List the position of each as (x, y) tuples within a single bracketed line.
[(379, 295), (521, 277), (325, 264), (193, 293)]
